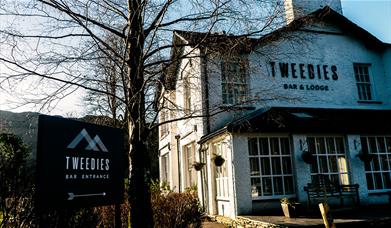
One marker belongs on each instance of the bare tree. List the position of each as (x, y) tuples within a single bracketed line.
[(51, 55)]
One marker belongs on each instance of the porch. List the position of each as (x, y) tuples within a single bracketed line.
[(366, 216)]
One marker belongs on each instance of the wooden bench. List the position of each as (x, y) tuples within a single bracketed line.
[(322, 188)]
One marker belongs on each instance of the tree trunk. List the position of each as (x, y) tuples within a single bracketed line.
[(139, 193)]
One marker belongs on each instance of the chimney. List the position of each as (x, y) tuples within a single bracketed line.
[(298, 8)]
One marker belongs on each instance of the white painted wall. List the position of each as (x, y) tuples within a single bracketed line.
[(314, 48), (307, 48)]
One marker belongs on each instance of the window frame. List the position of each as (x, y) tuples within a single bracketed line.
[(342, 169), (191, 175), (165, 167), (377, 158), (364, 82), (164, 128), (272, 174), (187, 102), (234, 91)]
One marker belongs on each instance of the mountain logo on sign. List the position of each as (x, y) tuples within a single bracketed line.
[(93, 144)]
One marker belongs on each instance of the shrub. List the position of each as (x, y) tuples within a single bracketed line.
[(16, 189), (174, 209)]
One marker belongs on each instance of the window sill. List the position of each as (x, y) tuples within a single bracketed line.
[(164, 136), (379, 192), (238, 107), (369, 102), (272, 198), (220, 198)]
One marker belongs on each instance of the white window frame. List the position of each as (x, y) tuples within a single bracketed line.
[(234, 85), (164, 128), (257, 191), (189, 158), (165, 168), (380, 165), (364, 82), (187, 96), (222, 191), (340, 168)]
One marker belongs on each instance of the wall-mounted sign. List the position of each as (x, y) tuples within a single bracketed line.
[(305, 73), (78, 164)]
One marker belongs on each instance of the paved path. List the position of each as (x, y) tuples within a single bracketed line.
[(212, 225)]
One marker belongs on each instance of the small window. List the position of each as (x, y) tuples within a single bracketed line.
[(189, 158), (165, 167), (363, 82), (187, 96), (164, 128), (234, 81)]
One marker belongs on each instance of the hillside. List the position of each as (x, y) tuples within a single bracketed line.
[(24, 125)]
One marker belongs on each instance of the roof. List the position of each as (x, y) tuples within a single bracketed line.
[(310, 120), (243, 44), (329, 15)]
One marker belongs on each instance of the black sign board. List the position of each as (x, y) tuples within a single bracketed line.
[(78, 164)]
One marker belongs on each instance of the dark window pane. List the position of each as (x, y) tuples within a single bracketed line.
[(365, 70), (274, 146), (284, 146), (288, 183), (378, 181), (387, 180), (376, 163), (255, 181), (330, 145), (372, 145), (323, 164), (276, 166), (314, 166), (368, 166), (370, 181), (267, 186), (381, 145), (254, 167), (384, 162), (364, 145), (320, 145), (333, 164), (311, 145), (286, 165), (252, 146), (340, 145), (255, 187), (388, 144), (265, 165), (278, 188), (334, 178), (264, 147)]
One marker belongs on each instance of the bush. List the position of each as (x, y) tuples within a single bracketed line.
[(16, 189), (172, 209)]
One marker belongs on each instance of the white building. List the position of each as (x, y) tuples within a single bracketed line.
[(320, 84)]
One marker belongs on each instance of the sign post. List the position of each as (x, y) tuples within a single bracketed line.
[(78, 164)]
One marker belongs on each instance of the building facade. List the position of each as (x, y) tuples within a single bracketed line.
[(320, 85)]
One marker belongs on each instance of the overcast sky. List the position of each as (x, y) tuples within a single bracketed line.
[(372, 15)]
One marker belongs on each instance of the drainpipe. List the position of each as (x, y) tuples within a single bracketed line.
[(204, 64), (177, 137), (202, 176)]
